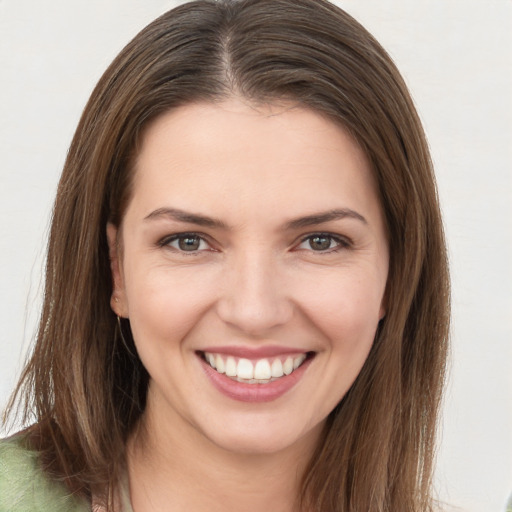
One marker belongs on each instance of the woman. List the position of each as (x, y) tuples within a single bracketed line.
[(246, 300)]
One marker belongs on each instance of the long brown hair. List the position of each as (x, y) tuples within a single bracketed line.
[(84, 383)]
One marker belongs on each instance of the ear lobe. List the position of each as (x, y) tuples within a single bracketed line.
[(118, 298)]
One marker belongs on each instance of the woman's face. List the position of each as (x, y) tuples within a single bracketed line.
[(252, 264)]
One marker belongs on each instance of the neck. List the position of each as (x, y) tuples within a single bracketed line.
[(181, 470)]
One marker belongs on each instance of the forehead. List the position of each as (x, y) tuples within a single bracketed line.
[(264, 154)]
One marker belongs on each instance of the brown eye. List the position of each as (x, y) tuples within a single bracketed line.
[(189, 243), (323, 242), (320, 242), (186, 242)]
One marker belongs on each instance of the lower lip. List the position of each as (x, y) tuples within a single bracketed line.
[(254, 392)]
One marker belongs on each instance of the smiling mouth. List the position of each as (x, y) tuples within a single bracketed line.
[(259, 371)]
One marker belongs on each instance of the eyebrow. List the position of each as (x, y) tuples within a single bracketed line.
[(211, 222), (323, 217), (189, 217)]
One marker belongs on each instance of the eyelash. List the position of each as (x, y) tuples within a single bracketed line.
[(166, 241), (342, 242)]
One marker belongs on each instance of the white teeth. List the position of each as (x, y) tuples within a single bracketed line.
[(262, 370), (245, 369), (288, 366), (277, 368), (298, 361), (231, 367), (219, 364)]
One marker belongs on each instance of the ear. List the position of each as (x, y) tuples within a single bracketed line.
[(118, 301)]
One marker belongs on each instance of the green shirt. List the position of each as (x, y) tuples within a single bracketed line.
[(24, 487)]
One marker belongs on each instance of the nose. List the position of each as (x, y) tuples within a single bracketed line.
[(254, 296)]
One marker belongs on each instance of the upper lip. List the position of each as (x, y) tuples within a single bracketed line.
[(260, 352)]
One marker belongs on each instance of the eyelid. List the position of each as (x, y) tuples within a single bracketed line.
[(343, 241), (167, 239)]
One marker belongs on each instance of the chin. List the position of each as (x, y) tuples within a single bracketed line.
[(261, 436)]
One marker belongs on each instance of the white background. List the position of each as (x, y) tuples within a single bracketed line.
[(456, 56)]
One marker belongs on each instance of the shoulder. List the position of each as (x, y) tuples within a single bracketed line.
[(24, 487)]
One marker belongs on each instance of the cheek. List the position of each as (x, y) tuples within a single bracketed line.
[(347, 311), (164, 305), (353, 298)]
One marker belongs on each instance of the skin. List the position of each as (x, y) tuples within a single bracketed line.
[(254, 281)]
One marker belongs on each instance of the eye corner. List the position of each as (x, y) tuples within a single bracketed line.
[(187, 243), (323, 243)]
